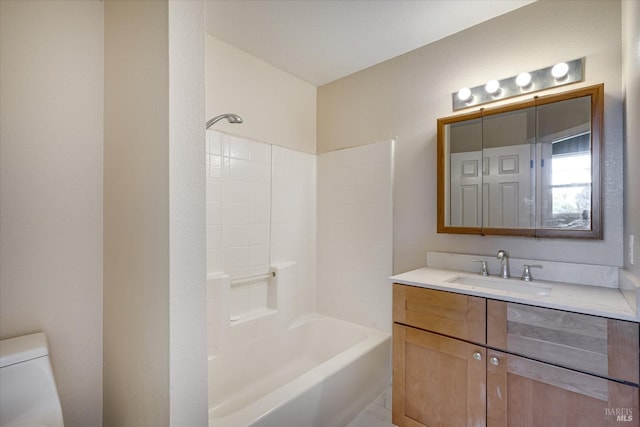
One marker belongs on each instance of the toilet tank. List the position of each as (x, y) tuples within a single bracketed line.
[(28, 393)]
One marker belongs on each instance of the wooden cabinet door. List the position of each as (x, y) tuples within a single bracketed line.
[(526, 393), (437, 381)]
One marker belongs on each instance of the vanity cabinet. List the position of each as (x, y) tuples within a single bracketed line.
[(438, 358), (462, 360)]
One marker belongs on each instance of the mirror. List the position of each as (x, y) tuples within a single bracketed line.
[(525, 169)]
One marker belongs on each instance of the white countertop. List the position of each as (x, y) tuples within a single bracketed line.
[(594, 300)]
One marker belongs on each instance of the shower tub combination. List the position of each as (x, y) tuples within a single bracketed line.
[(320, 372)]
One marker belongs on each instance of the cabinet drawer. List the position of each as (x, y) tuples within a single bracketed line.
[(447, 313), (592, 344)]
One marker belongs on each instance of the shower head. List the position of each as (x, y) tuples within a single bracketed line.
[(231, 118)]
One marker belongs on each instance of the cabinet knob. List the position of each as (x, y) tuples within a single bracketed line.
[(494, 361), (477, 355)]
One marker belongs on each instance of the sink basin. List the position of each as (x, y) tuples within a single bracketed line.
[(508, 285)]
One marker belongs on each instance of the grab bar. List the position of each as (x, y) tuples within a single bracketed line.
[(252, 278)]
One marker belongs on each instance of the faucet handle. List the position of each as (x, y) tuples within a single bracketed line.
[(526, 273), (485, 269)]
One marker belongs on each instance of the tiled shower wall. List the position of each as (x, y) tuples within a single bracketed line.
[(238, 224), (355, 234), (260, 218), (238, 205), (293, 226), (322, 222)]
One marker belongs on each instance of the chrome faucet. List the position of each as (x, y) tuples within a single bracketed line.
[(503, 256)]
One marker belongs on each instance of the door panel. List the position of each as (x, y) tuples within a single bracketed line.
[(508, 187), (466, 184)]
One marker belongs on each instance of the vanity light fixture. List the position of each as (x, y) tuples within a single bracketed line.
[(523, 80), (560, 70), (464, 94), (559, 74), (492, 87)]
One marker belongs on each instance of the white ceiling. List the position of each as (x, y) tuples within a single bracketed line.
[(320, 41)]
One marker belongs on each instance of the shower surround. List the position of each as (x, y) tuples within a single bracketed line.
[(325, 220), (323, 225), (261, 205)]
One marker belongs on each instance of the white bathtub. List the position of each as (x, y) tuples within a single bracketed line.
[(319, 373)]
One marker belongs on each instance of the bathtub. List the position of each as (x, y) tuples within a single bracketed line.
[(320, 372)]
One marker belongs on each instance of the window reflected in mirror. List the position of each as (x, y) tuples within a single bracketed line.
[(564, 138)]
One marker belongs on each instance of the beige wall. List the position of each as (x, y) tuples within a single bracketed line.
[(631, 81), (136, 214), (154, 249), (277, 107), (51, 133), (403, 97), (187, 210)]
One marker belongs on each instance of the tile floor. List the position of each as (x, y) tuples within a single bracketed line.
[(377, 414)]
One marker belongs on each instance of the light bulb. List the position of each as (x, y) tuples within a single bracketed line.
[(464, 94), (560, 70), (492, 87), (523, 80)]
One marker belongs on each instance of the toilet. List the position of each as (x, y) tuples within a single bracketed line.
[(28, 394)]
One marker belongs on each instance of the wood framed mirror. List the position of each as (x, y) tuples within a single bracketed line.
[(530, 168)]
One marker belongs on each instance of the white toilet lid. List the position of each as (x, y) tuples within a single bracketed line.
[(20, 349)]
